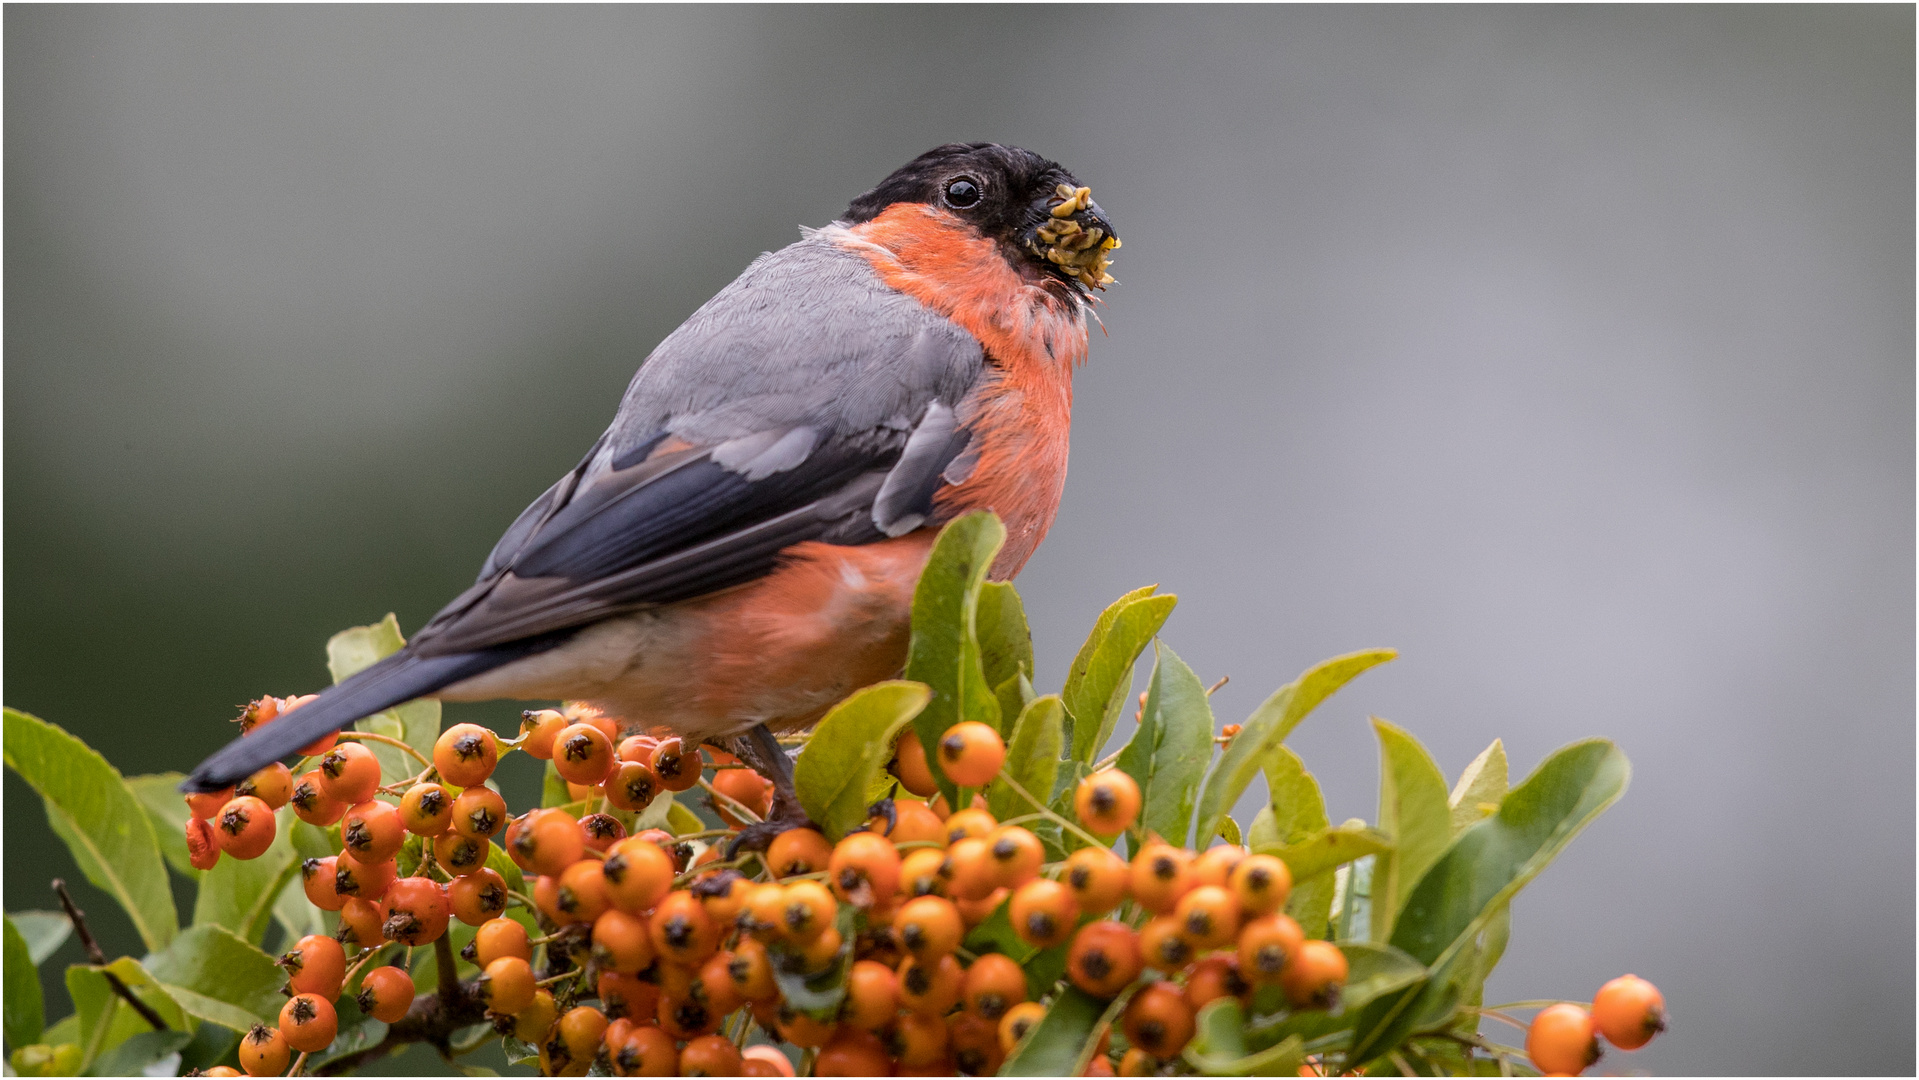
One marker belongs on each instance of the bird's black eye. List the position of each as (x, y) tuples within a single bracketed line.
[(962, 192)]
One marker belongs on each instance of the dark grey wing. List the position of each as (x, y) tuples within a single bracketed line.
[(806, 401)]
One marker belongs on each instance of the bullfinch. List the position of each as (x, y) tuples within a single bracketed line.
[(738, 551)]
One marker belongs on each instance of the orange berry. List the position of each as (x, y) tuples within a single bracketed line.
[(550, 842), (919, 1040), (244, 828), (852, 1052), (360, 922), (417, 911), (1266, 945), (915, 822), (1098, 879), (751, 970), (205, 804), (631, 786), (1262, 883), (1314, 977), (317, 877), (972, 821), (1208, 916), (817, 952), (974, 873), (628, 997), (1214, 977), (312, 804), (723, 893), (1629, 1011), (506, 985), (479, 813), (349, 773), (583, 754), (602, 831), (1107, 802), (973, 1040), (478, 897), (461, 855), (1158, 1020), (798, 851), (971, 753), (581, 891), (1161, 875), (264, 1051), (465, 755), (1215, 865), (1137, 1062), (685, 1017), (1043, 912), (647, 1051), (711, 1055), (500, 937), (386, 993), (1163, 945), (203, 848), (993, 985), (315, 965), (272, 785), (366, 881), (533, 1022), (426, 810), (864, 869), (931, 987), (621, 943), (929, 927), (1019, 1020), (540, 728), (372, 831), (746, 787), (636, 748), (872, 995), (807, 909), (909, 765), (581, 1030), (1561, 1040), (308, 1023), (1104, 958), (637, 874), (924, 872), (1017, 855), (681, 930), (676, 764)]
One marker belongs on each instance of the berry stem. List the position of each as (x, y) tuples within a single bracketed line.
[(299, 1065), (363, 962), (1047, 813), (735, 805), (364, 736)]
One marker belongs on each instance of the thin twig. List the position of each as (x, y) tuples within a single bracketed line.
[(377, 737), (1223, 680), (99, 959), (299, 1065), (1042, 808), (737, 806)]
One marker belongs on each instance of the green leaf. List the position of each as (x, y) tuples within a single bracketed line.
[(23, 1016), (239, 894), (944, 652), (1353, 898), (1056, 1044), (216, 976), (105, 827), (1005, 642), (1329, 847), (819, 994), (553, 790), (1480, 787), (1414, 813), (104, 1021), (357, 1032), (1373, 970), (680, 820), (1096, 687), (1271, 723), (1462, 893), (132, 1057), (1032, 758), (1295, 811), (852, 742), (498, 861), (1169, 752), (416, 723), (1218, 1046), (159, 793), (44, 931)]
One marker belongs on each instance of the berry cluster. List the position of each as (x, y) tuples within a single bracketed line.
[(1564, 1038)]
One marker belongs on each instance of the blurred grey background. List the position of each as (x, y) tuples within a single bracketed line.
[(1567, 350)]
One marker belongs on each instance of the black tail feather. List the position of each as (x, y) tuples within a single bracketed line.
[(393, 681)]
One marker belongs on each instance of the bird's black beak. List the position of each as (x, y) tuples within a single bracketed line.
[(1074, 237)]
